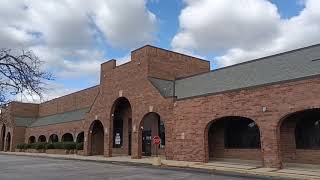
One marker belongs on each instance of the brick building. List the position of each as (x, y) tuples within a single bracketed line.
[(266, 110)]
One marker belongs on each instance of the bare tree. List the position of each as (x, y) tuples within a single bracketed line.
[(21, 73)]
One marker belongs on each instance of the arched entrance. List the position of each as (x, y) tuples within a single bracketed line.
[(234, 137), (32, 139), (42, 138), (53, 138), (97, 138), (151, 125), (300, 137), (3, 133), (67, 137), (122, 126), (8, 142), (80, 137)]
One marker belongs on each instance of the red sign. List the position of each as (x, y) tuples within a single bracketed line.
[(156, 140)]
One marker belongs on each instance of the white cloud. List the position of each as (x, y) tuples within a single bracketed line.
[(73, 23), (68, 33), (70, 36), (60, 23), (220, 24), (54, 90), (245, 29), (75, 63), (125, 23)]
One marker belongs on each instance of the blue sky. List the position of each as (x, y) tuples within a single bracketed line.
[(168, 12), (81, 35), (288, 8)]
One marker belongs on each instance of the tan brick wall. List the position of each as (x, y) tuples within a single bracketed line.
[(18, 136), (7, 120), (69, 102), (280, 100), (186, 121), (287, 141), (24, 109), (169, 65), (2, 136), (307, 156), (73, 128), (130, 81), (9, 130)]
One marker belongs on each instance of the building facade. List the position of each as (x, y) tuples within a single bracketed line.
[(266, 110)]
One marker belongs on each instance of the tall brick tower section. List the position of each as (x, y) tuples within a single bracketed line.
[(130, 81)]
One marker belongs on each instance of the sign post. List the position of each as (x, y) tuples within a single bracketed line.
[(156, 141)]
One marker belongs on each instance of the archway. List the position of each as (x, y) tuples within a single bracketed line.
[(8, 142), (53, 138), (122, 126), (151, 125), (32, 139), (97, 138), (300, 137), (234, 137), (80, 137), (42, 138), (67, 137), (3, 133)]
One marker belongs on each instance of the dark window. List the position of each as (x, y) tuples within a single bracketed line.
[(53, 138), (42, 138), (80, 137), (307, 133), (67, 138), (32, 139), (241, 133), (162, 134)]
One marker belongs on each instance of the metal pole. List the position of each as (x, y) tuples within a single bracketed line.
[(156, 150)]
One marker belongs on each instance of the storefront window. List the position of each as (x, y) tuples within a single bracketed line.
[(117, 133), (162, 135)]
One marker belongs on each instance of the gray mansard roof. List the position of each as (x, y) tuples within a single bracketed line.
[(296, 64), (165, 87), (292, 65), (64, 117)]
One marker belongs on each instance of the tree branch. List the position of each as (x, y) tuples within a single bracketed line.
[(21, 73)]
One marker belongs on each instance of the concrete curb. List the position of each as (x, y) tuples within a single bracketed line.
[(76, 159), (189, 167)]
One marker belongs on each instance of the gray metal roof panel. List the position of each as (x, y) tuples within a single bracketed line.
[(165, 87), (24, 121), (75, 115), (283, 67)]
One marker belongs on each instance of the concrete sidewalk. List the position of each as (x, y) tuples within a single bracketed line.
[(216, 166)]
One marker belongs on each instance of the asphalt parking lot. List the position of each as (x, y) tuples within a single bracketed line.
[(32, 168)]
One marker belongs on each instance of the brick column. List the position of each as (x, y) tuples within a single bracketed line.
[(87, 144), (270, 146), (136, 143), (107, 142), (5, 144), (125, 137), (1, 139)]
